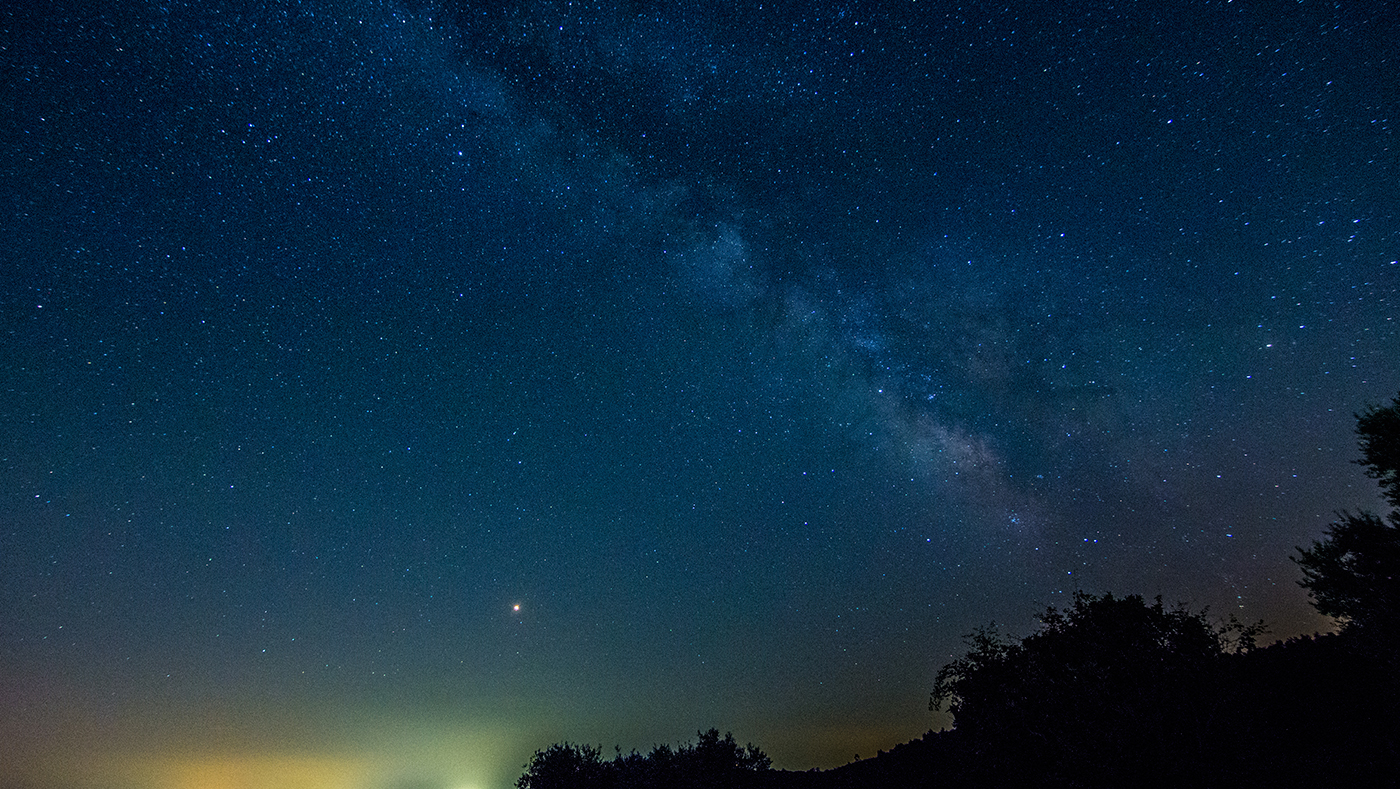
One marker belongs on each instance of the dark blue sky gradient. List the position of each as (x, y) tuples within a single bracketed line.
[(757, 354)]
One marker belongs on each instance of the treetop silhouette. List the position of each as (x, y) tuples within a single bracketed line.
[(1353, 573)]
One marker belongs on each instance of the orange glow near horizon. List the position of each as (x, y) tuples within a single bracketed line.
[(215, 771), (253, 771), (402, 753)]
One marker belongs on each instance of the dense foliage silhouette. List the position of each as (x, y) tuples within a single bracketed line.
[(1118, 691), (1378, 429), (712, 761), (1106, 692), (1353, 573)]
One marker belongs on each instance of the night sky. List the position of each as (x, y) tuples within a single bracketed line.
[(391, 389)]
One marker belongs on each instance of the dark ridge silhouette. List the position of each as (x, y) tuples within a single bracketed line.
[(1120, 692), (711, 761)]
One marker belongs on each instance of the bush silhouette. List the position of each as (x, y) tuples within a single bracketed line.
[(713, 761)]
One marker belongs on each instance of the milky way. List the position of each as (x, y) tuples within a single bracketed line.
[(756, 354)]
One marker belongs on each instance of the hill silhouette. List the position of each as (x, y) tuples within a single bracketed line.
[(1119, 691)]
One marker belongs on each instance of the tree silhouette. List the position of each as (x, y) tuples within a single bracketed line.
[(1122, 692), (566, 766), (1108, 692), (1353, 573), (1379, 432), (713, 761)]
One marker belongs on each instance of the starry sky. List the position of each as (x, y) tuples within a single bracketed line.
[(389, 389)]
